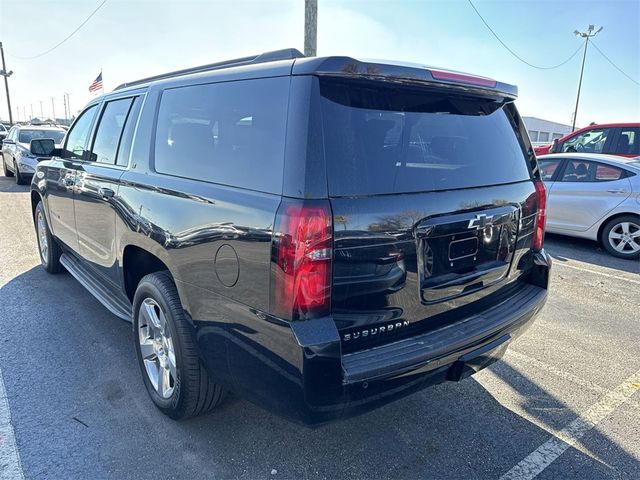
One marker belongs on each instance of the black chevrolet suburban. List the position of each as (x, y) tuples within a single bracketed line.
[(320, 236)]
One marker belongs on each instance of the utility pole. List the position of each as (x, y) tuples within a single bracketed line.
[(6, 76), (310, 27), (41, 111), (53, 109), (31, 107), (64, 101), (586, 35), (69, 105)]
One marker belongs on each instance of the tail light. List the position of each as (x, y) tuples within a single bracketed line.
[(301, 260), (541, 216)]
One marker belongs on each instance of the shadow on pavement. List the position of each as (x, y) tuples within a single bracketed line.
[(8, 184), (564, 248), (80, 410)]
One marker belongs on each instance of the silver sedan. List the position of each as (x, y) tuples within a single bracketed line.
[(596, 197)]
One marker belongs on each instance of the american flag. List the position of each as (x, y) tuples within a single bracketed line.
[(97, 84)]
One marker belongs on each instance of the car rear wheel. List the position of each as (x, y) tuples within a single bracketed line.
[(621, 236), (173, 373), (50, 251), (5, 170), (19, 178)]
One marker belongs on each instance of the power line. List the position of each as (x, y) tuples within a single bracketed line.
[(66, 38), (613, 64), (514, 53)]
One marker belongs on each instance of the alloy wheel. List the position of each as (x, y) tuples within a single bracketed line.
[(156, 348), (43, 239), (625, 237)]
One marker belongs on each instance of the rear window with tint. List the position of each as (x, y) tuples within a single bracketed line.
[(381, 140), (230, 133), (27, 135)]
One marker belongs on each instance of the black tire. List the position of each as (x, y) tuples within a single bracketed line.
[(5, 170), (194, 392), (616, 225), (19, 178), (50, 261)]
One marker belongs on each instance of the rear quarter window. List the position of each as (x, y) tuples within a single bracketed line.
[(607, 173), (381, 139), (548, 168), (229, 133)]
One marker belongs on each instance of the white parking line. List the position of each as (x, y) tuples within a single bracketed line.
[(10, 467), (537, 364), (549, 451), (617, 277)]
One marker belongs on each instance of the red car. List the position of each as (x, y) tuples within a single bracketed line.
[(612, 138)]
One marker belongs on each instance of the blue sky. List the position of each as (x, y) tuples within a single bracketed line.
[(133, 39)]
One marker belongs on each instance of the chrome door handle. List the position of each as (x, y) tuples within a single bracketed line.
[(106, 193), (619, 190)]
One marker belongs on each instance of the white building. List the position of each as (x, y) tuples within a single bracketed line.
[(542, 132)]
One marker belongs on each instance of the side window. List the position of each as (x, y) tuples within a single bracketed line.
[(591, 141), (127, 135), (105, 145), (605, 173), (230, 133), (13, 134), (548, 168), (79, 134), (579, 171), (628, 141)]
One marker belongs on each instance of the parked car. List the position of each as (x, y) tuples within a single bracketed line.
[(612, 138), (320, 235), (17, 160), (3, 132), (595, 197)]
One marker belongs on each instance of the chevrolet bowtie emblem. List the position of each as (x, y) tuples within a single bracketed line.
[(480, 221)]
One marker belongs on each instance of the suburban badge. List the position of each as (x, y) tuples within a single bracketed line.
[(375, 331)]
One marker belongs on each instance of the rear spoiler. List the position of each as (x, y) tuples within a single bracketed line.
[(403, 74)]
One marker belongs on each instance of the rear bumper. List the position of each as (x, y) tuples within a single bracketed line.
[(298, 371), (444, 346)]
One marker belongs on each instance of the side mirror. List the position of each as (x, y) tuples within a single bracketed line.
[(42, 147), (7, 141)]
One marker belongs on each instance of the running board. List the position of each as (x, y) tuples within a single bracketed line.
[(116, 304)]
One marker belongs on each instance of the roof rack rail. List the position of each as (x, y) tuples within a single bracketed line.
[(284, 54)]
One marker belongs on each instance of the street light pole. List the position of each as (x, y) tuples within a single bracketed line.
[(53, 109), (586, 35), (6, 76)]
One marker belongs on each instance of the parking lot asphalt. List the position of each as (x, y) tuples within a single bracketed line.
[(564, 402)]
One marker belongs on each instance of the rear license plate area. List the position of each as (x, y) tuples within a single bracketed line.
[(464, 248)]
